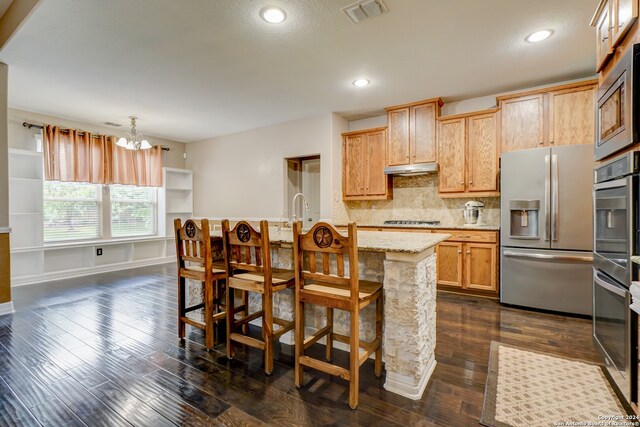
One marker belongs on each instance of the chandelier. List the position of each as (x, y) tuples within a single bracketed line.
[(133, 140)]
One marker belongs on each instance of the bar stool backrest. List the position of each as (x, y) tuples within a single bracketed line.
[(193, 244), (317, 247), (247, 249)]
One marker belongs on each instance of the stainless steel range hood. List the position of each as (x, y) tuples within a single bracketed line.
[(412, 170)]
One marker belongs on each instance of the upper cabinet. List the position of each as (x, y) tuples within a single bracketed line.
[(522, 122), (363, 161), (412, 132), (560, 115), (613, 20), (468, 153)]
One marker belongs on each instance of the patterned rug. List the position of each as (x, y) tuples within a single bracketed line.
[(527, 388)]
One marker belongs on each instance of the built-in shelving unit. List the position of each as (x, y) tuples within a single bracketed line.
[(176, 199), (33, 261)]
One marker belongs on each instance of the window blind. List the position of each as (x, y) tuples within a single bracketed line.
[(133, 210), (72, 211)]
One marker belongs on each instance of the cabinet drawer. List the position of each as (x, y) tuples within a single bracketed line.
[(471, 236)]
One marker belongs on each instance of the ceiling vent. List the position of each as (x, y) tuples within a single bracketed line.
[(358, 12), (115, 125)]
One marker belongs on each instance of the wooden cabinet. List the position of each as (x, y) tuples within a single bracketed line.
[(468, 262), (363, 161), (571, 116), (468, 154), (480, 262), (559, 115), (613, 20), (452, 136), (624, 14), (449, 264), (604, 25), (522, 122), (412, 132)]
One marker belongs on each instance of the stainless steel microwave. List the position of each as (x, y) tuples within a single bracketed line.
[(617, 119)]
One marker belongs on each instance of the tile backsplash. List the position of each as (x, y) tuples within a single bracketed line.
[(414, 198)]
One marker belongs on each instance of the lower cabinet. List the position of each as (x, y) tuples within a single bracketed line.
[(468, 262)]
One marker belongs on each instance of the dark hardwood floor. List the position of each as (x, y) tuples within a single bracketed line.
[(103, 351)]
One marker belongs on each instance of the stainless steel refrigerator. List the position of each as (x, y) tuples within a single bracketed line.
[(547, 228)]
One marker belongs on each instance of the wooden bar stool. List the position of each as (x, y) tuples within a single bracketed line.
[(333, 291), (195, 262), (248, 263)]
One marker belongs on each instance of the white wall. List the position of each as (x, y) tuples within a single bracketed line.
[(4, 153), (243, 175), (19, 135)]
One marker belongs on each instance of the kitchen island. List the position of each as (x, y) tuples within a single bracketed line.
[(406, 265)]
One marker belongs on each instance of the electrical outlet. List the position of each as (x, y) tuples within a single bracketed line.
[(98, 251)]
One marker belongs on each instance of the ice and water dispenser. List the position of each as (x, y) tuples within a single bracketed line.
[(524, 219)]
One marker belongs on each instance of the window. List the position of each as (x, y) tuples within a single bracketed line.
[(72, 211), (76, 211), (133, 211)]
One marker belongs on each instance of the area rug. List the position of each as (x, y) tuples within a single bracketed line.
[(528, 388)]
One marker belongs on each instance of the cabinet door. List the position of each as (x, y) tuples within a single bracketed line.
[(522, 123), (398, 144), (571, 116), (480, 263), (625, 14), (375, 179), (451, 154), (353, 180), (482, 153), (423, 133), (603, 36), (449, 264)]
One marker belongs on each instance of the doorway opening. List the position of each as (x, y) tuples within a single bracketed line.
[(303, 176)]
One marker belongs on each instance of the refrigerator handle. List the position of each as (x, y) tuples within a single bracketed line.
[(547, 198), (554, 205)]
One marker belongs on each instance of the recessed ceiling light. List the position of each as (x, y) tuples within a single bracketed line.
[(361, 82), (538, 36), (273, 15)]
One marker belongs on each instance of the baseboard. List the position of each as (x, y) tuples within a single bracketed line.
[(7, 308), (409, 386), (88, 271)]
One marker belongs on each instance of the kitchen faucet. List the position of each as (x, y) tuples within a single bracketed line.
[(293, 206)]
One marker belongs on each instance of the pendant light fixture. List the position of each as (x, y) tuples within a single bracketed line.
[(133, 140)]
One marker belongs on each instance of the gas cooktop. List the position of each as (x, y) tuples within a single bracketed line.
[(410, 222)]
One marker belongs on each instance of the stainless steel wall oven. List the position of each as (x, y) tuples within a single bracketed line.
[(616, 196)]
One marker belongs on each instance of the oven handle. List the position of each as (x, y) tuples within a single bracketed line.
[(608, 286), (512, 254), (622, 182)]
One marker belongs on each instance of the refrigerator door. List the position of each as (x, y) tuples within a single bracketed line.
[(525, 187), (547, 279), (571, 197)]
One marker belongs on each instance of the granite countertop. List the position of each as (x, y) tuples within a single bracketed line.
[(635, 259), (436, 227), (373, 241)]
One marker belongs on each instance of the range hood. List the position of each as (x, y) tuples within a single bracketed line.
[(412, 170)]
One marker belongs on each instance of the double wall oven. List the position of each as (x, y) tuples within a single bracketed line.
[(616, 240)]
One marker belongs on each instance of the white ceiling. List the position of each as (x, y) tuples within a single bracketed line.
[(4, 5), (202, 68)]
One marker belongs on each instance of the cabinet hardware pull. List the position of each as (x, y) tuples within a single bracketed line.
[(462, 183), (460, 251), (468, 252), (470, 182), (620, 25), (605, 38), (611, 28), (541, 142)]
